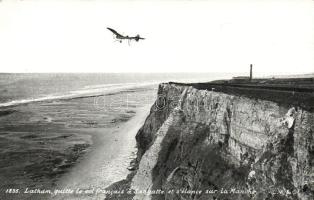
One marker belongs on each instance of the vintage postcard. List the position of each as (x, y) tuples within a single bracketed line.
[(156, 100)]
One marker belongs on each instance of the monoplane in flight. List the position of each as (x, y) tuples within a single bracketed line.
[(120, 37)]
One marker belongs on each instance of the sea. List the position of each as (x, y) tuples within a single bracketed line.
[(70, 131)]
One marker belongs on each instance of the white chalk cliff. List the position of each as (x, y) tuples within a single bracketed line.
[(198, 140)]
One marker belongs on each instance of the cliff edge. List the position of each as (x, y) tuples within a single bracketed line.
[(202, 144)]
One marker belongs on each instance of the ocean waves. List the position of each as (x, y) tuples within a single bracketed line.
[(87, 91)]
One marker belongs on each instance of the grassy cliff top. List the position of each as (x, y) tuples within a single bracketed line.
[(285, 91)]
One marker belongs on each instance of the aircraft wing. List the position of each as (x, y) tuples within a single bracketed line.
[(115, 32)]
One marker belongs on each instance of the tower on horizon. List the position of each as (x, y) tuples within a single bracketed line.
[(251, 72)]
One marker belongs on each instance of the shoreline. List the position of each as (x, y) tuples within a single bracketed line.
[(97, 170), (54, 141)]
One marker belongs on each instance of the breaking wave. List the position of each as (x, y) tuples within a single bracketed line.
[(87, 91)]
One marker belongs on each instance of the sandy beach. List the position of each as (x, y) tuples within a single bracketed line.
[(100, 169), (79, 143)]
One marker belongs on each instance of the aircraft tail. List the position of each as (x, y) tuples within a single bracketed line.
[(138, 37)]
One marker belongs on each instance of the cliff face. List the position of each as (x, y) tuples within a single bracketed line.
[(199, 144)]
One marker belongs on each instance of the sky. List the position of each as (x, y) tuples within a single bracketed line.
[(181, 36)]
